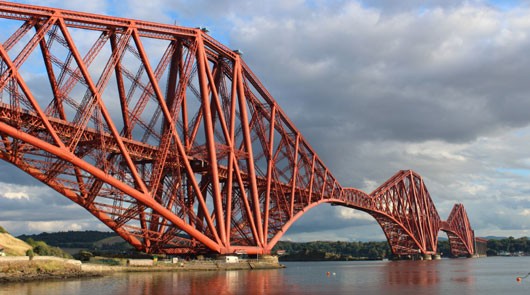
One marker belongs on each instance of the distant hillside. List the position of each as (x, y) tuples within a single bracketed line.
[(13, 246), (494, 238), (109, 241), (71, 239)]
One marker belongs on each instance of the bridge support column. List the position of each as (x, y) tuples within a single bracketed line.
[(269, 258), (437, 257), (427, 257)]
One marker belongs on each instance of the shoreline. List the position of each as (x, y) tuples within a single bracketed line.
[(22, 269), (17, 271)]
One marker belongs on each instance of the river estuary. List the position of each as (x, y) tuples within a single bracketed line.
[(494, 275)]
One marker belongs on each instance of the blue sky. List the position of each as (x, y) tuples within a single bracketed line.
[(440, 87)]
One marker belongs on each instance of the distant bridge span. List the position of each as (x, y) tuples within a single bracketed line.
[(167, 137)]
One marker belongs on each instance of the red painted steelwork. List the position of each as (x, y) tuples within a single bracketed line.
[(403, 208), (167, 137), (458, 229)]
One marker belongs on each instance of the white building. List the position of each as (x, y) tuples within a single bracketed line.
[(231, 259)]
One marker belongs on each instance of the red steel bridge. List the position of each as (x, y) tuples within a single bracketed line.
[(168, 138)]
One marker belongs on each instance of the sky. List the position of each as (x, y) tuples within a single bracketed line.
[(439, 87)]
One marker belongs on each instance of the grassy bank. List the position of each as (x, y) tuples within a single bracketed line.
[(46, 269), (13, 246), (21, 271)]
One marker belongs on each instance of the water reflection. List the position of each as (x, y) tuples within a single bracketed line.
[(460, 276), (223, 283), (422, 273)]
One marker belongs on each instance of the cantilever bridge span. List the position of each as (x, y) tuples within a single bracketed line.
[(167, 137)]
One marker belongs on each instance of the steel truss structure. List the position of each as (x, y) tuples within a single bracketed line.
[(167, 137)]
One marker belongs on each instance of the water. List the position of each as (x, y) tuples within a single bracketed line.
[(495, 275)]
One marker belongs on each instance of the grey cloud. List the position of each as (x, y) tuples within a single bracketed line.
[(10, 174), (40, 205), (325, 218), (380, 77)]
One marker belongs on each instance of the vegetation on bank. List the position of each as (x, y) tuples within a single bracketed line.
[(12, 246), (508, 246), (16, 247), (340, 250), (86, 243), (21, 271), (109, 244), (43, 249)]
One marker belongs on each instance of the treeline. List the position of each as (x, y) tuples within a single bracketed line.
[(340, 250), (70, 239), (318, 250), (323, 250), (509, 245), (343, 251)]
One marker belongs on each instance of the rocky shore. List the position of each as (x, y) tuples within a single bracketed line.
[(22, 269)]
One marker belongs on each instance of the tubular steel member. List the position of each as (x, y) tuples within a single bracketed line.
[(167, 137)]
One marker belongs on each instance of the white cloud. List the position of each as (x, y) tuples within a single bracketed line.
[(16, 195), (16, 191), (348, 213), (49, 226), (525, 212)]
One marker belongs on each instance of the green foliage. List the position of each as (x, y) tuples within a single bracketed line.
[(84, 255), (70, 239), (322, 250), (3, 230), (508, 245), (43, 249), (30, 253), (444, 248)]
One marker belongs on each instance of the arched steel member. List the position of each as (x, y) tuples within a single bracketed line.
[(459, 231), (167, 137)]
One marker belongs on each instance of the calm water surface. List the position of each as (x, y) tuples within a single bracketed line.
[(447, 276)]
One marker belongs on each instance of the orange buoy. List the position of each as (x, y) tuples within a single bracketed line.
[(518, 279), (327, 273)]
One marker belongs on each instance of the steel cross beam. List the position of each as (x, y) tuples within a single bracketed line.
[(167, 137)]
